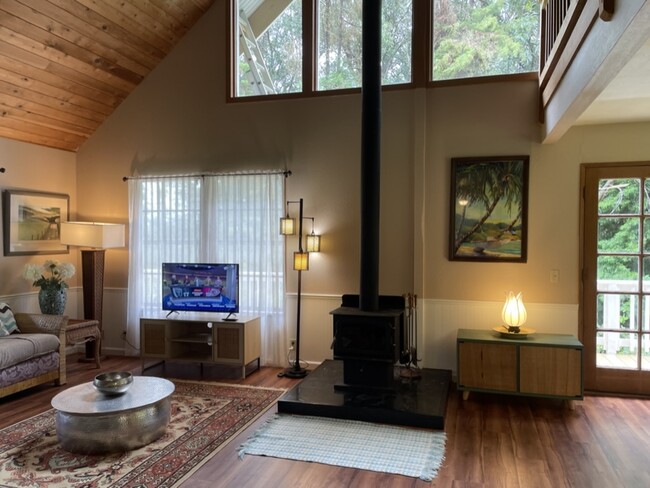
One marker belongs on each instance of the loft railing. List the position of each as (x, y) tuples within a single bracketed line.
[(564, 25)]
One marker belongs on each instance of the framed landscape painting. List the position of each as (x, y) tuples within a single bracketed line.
[(489, 209), (32, 222)]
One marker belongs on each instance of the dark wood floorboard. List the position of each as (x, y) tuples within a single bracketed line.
[(493, 441)]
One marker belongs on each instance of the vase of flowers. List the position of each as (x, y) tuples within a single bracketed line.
[(50, 277)]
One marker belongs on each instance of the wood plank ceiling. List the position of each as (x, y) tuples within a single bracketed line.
[(65, 65)]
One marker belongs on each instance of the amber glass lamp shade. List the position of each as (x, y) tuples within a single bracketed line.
[(287, 226), (301, 261), (313, 243)]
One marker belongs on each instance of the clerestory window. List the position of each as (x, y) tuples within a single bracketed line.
[(285, 47), (339, 43), (475, 38)]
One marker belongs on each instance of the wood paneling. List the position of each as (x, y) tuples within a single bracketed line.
[(65, 65)]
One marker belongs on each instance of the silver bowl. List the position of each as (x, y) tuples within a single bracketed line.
[(113, 383)]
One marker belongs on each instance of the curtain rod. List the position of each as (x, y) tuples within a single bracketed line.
[(286, 174)]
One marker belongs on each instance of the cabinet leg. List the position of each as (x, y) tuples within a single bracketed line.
[(570, 404), (465, 394)]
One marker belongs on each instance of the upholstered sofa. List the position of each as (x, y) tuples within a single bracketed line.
[(33, 354)]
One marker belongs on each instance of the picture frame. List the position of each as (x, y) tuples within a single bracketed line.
[(489, 209), (31, 222)]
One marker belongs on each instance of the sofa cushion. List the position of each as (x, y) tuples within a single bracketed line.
[(21, 347), (27, 370), (7, 320)]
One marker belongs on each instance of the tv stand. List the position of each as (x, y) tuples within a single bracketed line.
[(230, 318), (208, 340)]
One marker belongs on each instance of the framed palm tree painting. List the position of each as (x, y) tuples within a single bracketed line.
[(489, 209)]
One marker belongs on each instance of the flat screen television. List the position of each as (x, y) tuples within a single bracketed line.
[(201, 287)]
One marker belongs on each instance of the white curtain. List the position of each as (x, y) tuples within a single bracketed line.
[(225, 218)]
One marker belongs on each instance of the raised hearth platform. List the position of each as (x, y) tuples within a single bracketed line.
[(418, 402)]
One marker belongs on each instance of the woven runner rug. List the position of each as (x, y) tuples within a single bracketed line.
[(375, 447), (204, 417)]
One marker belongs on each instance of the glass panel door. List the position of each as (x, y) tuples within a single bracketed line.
[(616, 277)]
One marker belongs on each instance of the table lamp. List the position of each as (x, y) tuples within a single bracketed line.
[(514, 313)]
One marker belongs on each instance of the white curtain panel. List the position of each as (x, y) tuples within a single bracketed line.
[(223, 218)]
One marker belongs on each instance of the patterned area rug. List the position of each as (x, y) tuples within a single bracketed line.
[(375, 447), (204, 417)]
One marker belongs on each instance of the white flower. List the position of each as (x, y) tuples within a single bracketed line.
[(58, 271), (66, 271), (32, 272)]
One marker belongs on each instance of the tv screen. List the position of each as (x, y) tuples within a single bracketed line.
[(200, 287)]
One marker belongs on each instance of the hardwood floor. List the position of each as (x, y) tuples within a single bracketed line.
[(493, 441)]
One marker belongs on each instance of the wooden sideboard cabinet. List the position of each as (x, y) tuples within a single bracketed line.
[(201, 339), (545, 365)]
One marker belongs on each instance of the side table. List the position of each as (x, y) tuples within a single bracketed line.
[(79, 331)]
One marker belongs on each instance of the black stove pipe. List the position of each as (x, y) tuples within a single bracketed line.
[(370, 155)]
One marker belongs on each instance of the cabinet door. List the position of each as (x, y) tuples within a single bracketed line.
[(551, 371), (152, 338), (487, 366), (229, 347)]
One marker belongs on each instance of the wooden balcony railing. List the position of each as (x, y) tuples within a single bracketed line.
[(564, 25)]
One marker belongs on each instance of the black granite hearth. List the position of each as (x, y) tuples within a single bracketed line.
[(418, 402)]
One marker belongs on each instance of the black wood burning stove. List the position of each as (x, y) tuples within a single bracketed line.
[(368, 343)]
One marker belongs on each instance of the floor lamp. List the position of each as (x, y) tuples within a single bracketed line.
[(98, 237), (300, 264)]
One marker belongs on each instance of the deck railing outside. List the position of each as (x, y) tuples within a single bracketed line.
[(623, 346)]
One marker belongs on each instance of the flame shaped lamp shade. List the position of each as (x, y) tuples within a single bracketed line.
[(514, 313)]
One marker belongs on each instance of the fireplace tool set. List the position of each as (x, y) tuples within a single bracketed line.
[(409, 354)]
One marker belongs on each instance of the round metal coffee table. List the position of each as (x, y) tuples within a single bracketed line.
[(89, 422)]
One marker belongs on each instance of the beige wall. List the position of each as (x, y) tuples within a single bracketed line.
[(34, 168), (177, 121)]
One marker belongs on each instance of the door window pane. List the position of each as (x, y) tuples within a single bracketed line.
[(339, 43), (617, 311), (619, 196), (618, 234), (484, 38), (616, 350), (618, 273), (270, 47)]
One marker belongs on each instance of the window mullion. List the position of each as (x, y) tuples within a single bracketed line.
[(309, 46), (421, 53)]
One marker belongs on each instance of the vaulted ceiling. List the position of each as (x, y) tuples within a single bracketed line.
[(65, 65)]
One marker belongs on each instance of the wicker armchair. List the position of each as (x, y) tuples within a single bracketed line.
[(39, 324)]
